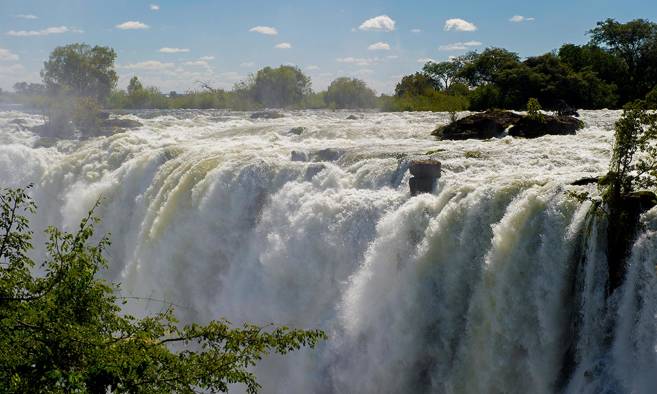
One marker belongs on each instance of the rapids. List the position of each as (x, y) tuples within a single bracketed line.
[(495, 283)]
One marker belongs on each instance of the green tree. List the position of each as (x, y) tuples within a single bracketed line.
[(442, 74), (279, 87), (350, 93), (418, 84), (64, 331), (534, 110), (81, 70), (483, 68)]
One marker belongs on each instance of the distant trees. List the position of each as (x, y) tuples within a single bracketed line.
[(279, 87), (349, 93)]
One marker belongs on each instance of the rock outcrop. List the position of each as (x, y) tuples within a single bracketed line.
[(484, 125), (267, 115), (424, 175), (553, 125), (297, 130)]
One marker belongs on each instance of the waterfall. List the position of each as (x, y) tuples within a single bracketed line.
[(494, 283)]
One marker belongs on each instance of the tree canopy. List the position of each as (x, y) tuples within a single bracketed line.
[(350, 93), (64, 331), (279, 87)]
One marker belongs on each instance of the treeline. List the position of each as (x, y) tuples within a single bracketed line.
[(616, 67)]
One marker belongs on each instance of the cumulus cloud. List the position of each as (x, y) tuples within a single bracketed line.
[(43, 32), (132, 25), (379, 46), (266, 30), (206, 58), (197, 63), (520, 19), (378, 23), (359, 61), (173, 50), (416, 31), (148, 65), (7, 55), (283, 45), (459, 24), (154, 7), (459, 46), (26, 16)]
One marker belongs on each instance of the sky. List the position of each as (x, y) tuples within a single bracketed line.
[(176, 44)]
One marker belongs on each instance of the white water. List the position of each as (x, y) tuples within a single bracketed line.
[(482, 286)]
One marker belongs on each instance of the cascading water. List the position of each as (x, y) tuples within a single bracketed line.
[(495, 283)]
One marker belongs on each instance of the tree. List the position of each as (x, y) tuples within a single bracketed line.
[(29, 89), (279, 87), (442, 74), (64, 331), (81, 70), (350, 93), (418, 84), (482, 68)]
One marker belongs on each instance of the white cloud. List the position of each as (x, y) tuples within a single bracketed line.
[(379, 23), (459, 24), (206, 58), (459, 46), (379, 46), (423, 60), (173, 50), (7, 55), (357, 61), (266, 30), (312, 67), (26, 16), (148, 65), (283, 45), (520, 18), (197, 63), (44, 32), (132, 25), (247, 64), (416, 31), (154, 7), (392, 57)]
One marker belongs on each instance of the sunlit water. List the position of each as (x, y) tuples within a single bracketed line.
[(493, 284)]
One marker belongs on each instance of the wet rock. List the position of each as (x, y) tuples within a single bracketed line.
[(421, 185), (553, 125), (352, 117), (267, 115), (425, 168), (312, 170), (484, 125), (586, 181), (297, 130), (328, 154), (297, 155), (564, 109), (104, 115), (113, 126)]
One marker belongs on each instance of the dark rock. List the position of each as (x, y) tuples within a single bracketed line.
[(484, 125), (421, 185), (553, 125), (328, 154), (586, 181), (352, 117), (298, 156), (19, 122), (121, 123), (563, 109), (312, 170), (267, 115), (424, 168), (104, 115), (297, 130)]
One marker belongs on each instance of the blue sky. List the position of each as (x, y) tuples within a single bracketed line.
[(173, 43)]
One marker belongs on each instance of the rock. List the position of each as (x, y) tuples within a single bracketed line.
[(352, 117), (563, 109), (483, 125), (267, 115), (425, 168), (421, 185), (328, 154), (586, 181), (553, 125), (298, 156), (297, 130), (104, 115), (312, 170), (121, 123)]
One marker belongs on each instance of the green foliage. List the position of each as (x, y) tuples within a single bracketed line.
[(349, 93), (482, 68), (81, 70), (534, 110), (485, 97), (64, 331), (442, 74), (473, 154), (85, 115), (279, 87), (432, 101), (418, 84)]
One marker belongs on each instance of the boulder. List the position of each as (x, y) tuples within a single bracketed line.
[(298, 156), (297, 130), (483, 125), (104, 115), (553, 125), (352, 117), (312, 170), (564, 109), (586, 181), (328, 154), (421, 185), (425, 168), (267, 115)]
